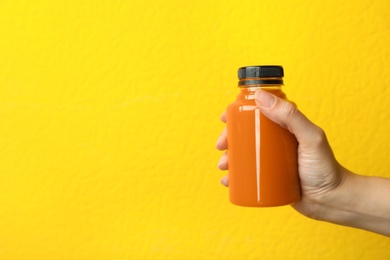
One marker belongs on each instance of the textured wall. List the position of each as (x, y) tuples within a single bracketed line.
[(109, 112)]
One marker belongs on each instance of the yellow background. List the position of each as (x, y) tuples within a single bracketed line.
[(110, 111)]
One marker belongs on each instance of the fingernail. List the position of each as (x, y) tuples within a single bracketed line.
[(265, 99)]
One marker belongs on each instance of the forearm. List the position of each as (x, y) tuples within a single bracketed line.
[(360, 201)]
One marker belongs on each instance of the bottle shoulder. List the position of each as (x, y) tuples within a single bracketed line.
[(245, 100)]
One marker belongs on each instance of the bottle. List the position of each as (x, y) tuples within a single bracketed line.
[(262, 156)]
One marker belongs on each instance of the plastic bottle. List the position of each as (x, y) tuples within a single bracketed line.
[(262, 156)]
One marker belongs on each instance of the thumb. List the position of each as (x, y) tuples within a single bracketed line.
[(288, 116)]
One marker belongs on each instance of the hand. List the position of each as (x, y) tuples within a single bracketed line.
[(329, 191)]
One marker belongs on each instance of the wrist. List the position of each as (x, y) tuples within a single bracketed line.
[(358, 201), (339, 204)]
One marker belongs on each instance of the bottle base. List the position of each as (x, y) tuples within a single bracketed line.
[(263, 204)]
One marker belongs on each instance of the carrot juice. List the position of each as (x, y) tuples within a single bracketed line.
[(262, 156)]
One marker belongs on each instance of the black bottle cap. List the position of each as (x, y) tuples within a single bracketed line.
[(260, 72)]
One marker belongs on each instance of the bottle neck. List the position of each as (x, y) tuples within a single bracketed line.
[(248, 82), (249, 93)]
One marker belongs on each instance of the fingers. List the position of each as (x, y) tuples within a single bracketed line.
[(223, 117), (222, 145), (225, 181), (287, 115), (222, 141), (223, 162)]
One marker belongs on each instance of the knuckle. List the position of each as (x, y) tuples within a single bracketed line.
[(318, 136), (290, 111)]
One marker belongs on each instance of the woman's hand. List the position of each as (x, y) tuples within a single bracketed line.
[(329, 191)]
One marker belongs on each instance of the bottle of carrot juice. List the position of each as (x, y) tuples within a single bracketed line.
[(262, 156)]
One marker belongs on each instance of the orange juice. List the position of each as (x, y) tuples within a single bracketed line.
[(262, 156)]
